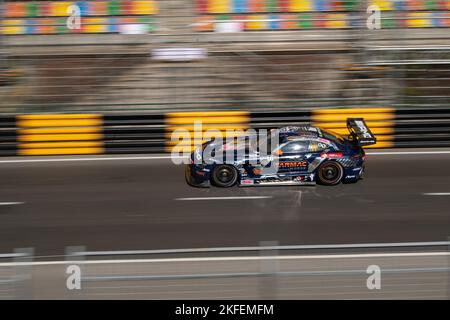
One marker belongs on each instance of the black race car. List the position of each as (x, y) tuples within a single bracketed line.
[(302, 155)]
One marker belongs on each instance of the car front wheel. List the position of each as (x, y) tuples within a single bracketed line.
[(224, 176)]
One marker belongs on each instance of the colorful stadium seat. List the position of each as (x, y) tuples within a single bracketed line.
[(328, 14), (50, 17), (106, 16)]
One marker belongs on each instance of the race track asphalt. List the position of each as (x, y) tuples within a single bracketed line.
[(131, 204)]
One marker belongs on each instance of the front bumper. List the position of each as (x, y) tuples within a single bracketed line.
[(194, 179)]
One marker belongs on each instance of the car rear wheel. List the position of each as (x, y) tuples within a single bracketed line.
[(224, 176), (330, 173)]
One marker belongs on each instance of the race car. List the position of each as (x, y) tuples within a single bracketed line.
[(302, 155)]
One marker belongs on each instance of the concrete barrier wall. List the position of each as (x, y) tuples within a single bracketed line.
[(63, 134)]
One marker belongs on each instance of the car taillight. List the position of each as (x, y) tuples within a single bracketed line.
[(332, 155)]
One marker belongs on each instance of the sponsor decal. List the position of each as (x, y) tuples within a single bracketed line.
[(332, 155), (246, 181), (316, 146), (198, 155), (363, 129), (257, 171), (293, 164)]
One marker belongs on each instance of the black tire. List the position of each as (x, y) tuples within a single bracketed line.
[(188, 177), (330, 173), (224, 176)]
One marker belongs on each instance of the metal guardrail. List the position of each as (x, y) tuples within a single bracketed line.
[(151, 133), (263, 248), (413, 270), (267, 271), (134, 133), (7, 136), (15, 279)]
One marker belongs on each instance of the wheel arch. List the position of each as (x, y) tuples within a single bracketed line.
[(319, 167)]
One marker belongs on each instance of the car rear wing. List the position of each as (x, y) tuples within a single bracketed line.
[(360, 133)]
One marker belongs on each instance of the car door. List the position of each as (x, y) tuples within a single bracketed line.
[(315, 149), (292, 157)]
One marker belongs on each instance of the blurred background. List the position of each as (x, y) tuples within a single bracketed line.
[(244, 54)]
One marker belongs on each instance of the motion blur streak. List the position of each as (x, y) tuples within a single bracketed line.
[(224, 198), (9, 203), (272, 275)]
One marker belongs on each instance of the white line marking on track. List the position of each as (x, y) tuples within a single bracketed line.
[(238, 258), (167, 157), (437, 194), (10, 203), (223, 198), (86, 159)]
